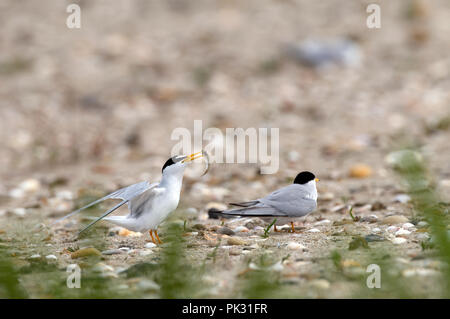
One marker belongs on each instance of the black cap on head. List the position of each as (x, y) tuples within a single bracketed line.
[(168, 163), (304, 177)]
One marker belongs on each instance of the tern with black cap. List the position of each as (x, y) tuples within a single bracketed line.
[(285, 204), (149, 203)]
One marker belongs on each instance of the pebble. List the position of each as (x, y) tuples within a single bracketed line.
[(102, 268), (360, 171), (150, 245), (241, 229), (148, 285), (16, 193), (402, 232), (419, 272), (422, 224), (392, 229), (399, 240), (370, 219), (225, 231), (423, 236), (408, 226), (85, 252), (323, 222), (35, 256), (112, 252), (326, 196), (402, 198), (313, 230), (20, 212), (199, 227), (295, 246), (126, 249), (51, 257), (128, 233), (373, 237), (235, 241), (320, 284), (145, 252), (30, 185), (376, 230), (191, 211), (395, 219)]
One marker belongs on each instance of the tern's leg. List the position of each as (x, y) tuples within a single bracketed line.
[(151, 235), (157, 237), (275, 229), (292, 227)]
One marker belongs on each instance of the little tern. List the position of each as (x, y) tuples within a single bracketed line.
[(149, 203), (285, 204)]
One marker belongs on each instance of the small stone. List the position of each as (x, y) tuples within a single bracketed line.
[(235, 241), (402, 232), (419, 272), (85, 252), (402, 198), (51, 257), (408, 226), (369, 219), (19, 212), (373, 237), (360, 171), (326, 196), (422, 224), (125, 249), (102, 268), (145, 252), (376, 230), (392, 229), (16, 193), (30, 185), (150, 245), (399, 240), (320, 284), (35, 256), (423, 236), (295, 246), (323, 222), (377, 206), (225, 231), (241, 229), (112, 252), (395, 219), (191, 211), (148, 285), (313, 230), (128, 233)]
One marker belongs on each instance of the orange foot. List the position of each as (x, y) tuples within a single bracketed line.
[(151, 235), (157, 237), (292, 227)]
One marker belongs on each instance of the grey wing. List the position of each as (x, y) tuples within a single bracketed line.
[(129, 194), (142, 202), (126, 194), (259, 209), (292, 200)]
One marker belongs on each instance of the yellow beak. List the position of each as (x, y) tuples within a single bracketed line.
[(317, 179), (192, 157)]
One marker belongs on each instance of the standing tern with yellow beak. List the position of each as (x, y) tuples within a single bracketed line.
[(149, 203)]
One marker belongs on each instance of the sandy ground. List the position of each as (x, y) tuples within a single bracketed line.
[(84, 112)]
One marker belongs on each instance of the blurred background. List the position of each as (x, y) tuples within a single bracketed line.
[(96, 106)]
